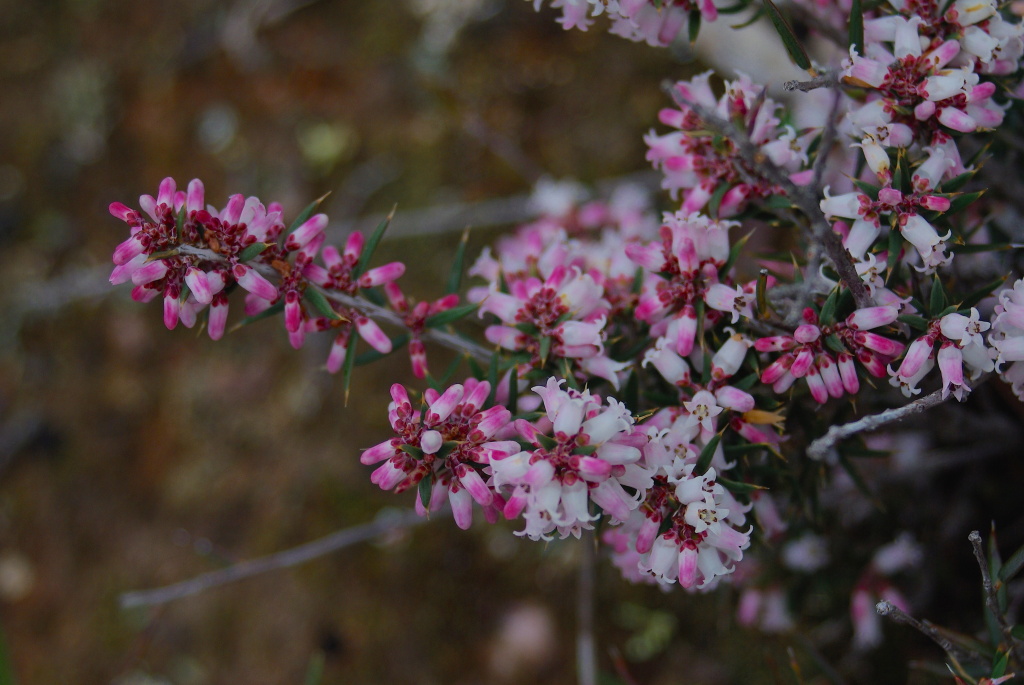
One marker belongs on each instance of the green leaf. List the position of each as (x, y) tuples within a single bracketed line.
[(738, 487), (546, 441), (371, 245), (778, 202), (372, 355), (450, 315), (960, 202), (974, 248), (918, 322), (857, 27), (937, 299), (585, 450), (1012, 566), (956, 183), (1018, 632), (252, 251), (305, 214), (513, 389), (319, 302), (895, 247), (793, 47), (981, 293), (754, 18), (545, 349), (747, 382), (828, 310), (706, 455), (185, 292), (833, 342), (734, 253), (868, 189), (179, 223), (694, 27), (455, 275), (423, 489), (412, 450), (999, 664), (272, 310), (716, 199), (350, 362)]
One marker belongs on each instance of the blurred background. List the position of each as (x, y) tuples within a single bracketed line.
[(133, 457)]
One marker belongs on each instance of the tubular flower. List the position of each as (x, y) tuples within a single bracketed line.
[(581, 452), (698, 164), (960, 345)]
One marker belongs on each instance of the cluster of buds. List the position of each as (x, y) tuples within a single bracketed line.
[(824, 355), (704, 166), (194, 256)]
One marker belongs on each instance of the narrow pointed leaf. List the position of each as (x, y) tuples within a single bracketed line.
[(450, 315), (371, 244), (423, 489), (350, 362), (706, 455), (782, 27), (455, 276), (857, 27), (321, 304), (828, 310), (981, 293), (937, 298), (513, 389), (252, 251), (179, 223), (305, 214)]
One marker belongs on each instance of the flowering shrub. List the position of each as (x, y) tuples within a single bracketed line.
[(639, 372)]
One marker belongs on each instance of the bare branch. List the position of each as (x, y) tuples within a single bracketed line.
[(290, 557), (804, 199), (991, 596), (893, 612), (820, 447), (827, 80)]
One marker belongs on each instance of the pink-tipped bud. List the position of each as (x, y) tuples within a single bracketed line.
[(442, 407), (872, 317), (252, 281), (806, 333), (418, 358), (172, 307), (830, 375), (471, 480), (848, 373), (150, 272), (354, 245), (309, 229), (382, 274), (196, 197), (199, 285), (129, 249), (122, 211), (218, 319), (917, 354), (373, 335), (292, 311)]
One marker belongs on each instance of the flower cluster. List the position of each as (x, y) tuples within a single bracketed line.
[(824, 355), (657, 23), (194, 256), (704, 166)]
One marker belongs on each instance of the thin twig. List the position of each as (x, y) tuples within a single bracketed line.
[(586, 650), (290, 557), (893, 612), (827, 80), (803, 198), (820, 447), (991, 596)]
